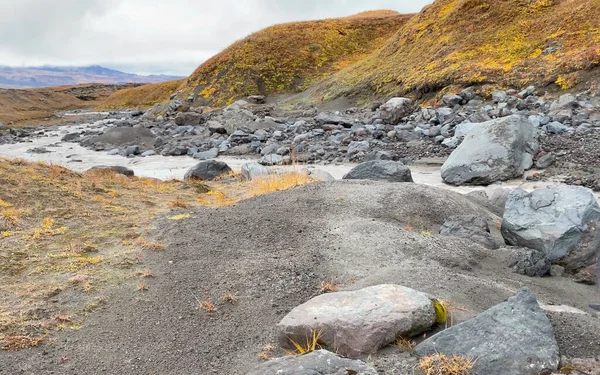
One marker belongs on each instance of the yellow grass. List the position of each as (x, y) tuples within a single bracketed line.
[(440, 364), (278, 182)]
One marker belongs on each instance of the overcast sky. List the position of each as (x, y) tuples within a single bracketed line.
[(151, 36)]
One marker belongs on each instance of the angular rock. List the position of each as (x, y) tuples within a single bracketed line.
[(452, 100), (395, 109), (326, 118), (189, 118), (512, 338), (272, 159), (358, 146), (499, 96), (562, 221), (320, 362), (216, 127), (380, 170), (253, 170), (529, 262), (492, 151), (207, 170), (359, 322), (471, 227), (545, 161), (378, 155)]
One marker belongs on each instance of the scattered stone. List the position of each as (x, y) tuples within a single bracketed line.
[(395, 109), (562, 221), (207, 170), (70, 137), (545, 161), (320, 362), (474, 228), (206, 155), (380, 170), (253, 170), (512, 338), (148, 153), (320, 175), (132, 150), (492, 151), (529, 262), (273, 159), (360, 322), (38, 150), (216, 127)]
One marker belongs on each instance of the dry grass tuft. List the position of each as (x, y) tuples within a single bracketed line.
[(328, 287), (21, 342), (230, 298), (207, 306), (440, 364), (311, 344), (405, 344), (277, 182)]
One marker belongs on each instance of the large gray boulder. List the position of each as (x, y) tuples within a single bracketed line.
[(492, 151), (380, 170), (395, 109), (562, 221), (207, 170), (359, 322), (512, 338), (320, 362)]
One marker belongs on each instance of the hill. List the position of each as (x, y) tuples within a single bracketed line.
[(142, 96), (280, 59), (48, 76), (35, 104), (465, 42)]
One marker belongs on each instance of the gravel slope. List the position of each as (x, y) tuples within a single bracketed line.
[(273, 252)]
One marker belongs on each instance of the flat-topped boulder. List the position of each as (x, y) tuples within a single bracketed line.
[(320, 362), (359, 322), (380, 170), (492, 151)]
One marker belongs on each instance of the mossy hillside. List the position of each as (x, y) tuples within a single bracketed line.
[(290, 57), (465, 42), (143, 96)]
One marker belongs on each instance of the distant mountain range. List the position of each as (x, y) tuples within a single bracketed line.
[(47, 76)]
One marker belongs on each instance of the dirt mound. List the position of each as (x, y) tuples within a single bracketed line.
[(269, 254), (466, 42)]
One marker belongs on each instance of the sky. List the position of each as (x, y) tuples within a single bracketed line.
[(151, 36)]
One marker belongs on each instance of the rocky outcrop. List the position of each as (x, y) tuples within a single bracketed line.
[(380, 170), (561, 221), (319, 362), (492, 151), (512, 338), (359, 322)]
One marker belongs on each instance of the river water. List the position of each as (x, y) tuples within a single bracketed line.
[(77, 158)]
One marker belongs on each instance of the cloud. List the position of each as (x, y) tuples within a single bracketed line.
[(151, 36)]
